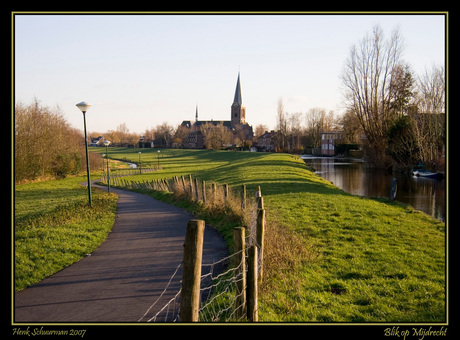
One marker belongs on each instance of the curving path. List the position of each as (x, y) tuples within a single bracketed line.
[(120, 280)]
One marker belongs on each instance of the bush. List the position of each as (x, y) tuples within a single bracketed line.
[(67, 164), (44, 143)]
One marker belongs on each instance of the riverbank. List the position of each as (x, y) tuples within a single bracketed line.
[(357, 178), (364, 260)]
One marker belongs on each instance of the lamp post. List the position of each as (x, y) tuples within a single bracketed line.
[(139, 162), (107, 143), (158, 160), (84, 106)]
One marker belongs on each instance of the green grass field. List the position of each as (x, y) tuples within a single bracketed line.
[(54, 226), (344, 258)]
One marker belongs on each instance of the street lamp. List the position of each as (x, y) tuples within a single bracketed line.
[(140, 162), (158, 159), (84, 106), (107, 143)]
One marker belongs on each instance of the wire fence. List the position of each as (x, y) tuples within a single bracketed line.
[(223, 285), (223, 297), (222, 293)]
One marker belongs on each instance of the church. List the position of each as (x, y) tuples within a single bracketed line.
[(236, 128)]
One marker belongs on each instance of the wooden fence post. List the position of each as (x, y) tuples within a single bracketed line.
[(183, 183), (195, 182), (260, 202), (191, 272), (260, 230), (204, 192), (252, 289), (243, 197), (258, 192), (240, 273), (225, 192), (190, 186), (214, 193)]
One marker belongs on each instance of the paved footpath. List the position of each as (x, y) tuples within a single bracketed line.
[(120, 280)]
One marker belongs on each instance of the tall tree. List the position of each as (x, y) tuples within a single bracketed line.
[(317, 121), (429, 123), (367, 79), (281, 126), (431, 90)]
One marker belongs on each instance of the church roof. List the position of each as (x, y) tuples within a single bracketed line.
[(238, 99), (226, 123), (198, 123)]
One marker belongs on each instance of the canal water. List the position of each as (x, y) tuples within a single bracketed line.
[(353, 176)]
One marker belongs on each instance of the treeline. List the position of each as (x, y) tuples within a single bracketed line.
[(45, 145), (296, 132), (215, 136)]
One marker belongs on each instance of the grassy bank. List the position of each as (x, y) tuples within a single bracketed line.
[(344, 258), (54, 226)]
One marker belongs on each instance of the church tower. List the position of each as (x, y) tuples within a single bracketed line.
[(238, 110)]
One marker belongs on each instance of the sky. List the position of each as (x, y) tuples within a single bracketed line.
[(144, 70)]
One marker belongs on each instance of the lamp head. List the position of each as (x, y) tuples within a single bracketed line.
[(84, 106)]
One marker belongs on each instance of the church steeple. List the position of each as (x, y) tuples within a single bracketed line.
[(238, 110), (238, 100), (196, 113)]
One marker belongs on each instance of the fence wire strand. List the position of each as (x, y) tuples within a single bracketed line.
[(219, 295)]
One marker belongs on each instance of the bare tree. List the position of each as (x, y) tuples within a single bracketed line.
[(315, 119), (123, 134), (165, 133), (260, 130), (215, 136), (367, 81), (295, 131), (180, 135), (429, 123), (281, 126), (149, 134), (432, 89), (350, 126)]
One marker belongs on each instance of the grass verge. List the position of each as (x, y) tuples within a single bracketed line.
[(55, 227)]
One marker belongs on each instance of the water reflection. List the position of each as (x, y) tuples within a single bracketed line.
[(425, 194)]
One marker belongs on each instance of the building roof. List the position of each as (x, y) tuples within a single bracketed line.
[(198, 123), (187, 123), (226, 123)]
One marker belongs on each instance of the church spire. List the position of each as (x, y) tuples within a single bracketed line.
[(196, 113), (238, 110), (238, 100)]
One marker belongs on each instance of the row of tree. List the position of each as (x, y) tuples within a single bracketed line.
[(164, 135), (46, 145), (297, 131)]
